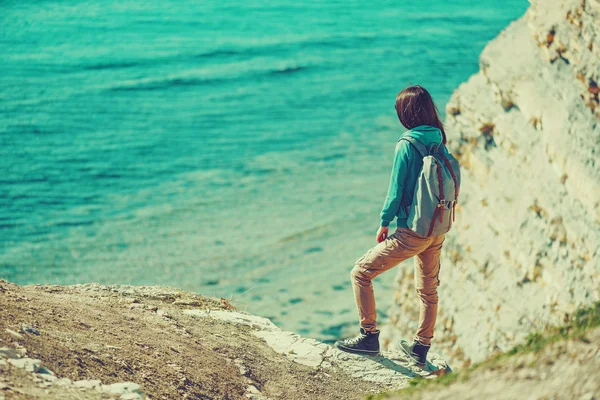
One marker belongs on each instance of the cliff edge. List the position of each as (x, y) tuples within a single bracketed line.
[(103, 342)]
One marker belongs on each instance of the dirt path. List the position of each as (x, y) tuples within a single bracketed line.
[(142, 335)]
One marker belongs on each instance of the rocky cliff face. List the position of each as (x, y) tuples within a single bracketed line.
[(526, 127)]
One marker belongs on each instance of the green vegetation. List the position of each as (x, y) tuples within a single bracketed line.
[(576, 327)]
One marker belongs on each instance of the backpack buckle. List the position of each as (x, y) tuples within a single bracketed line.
[(442, 203)]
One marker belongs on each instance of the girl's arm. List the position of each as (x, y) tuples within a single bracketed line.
[(396, 186)]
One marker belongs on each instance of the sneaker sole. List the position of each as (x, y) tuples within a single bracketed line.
[(414, 360), (355, 351)]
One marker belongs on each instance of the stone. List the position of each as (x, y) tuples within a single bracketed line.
[(13, 333), (390, 369), (63, 382), (234, 317), (252, 389), (47, 377), (22, 351), (45, 371), (301, 350), (240, 364), (7, 352), (122, 388), (29, 329), (131, 396), (88, 384), (28, 364)]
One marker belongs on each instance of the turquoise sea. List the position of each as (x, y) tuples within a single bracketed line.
[(237, 149)]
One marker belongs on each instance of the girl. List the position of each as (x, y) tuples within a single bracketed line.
[(417, 113)]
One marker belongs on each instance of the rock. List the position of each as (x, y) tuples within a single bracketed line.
[(7, 352), (186, 302), (303, 351), (240, 364), (234, 317), (29, 329), (63, 382), (88, 384), (252, 389), (13, 333), (122, 388), (45, 371), (527, 230), (253, 393), (47, 377), (391, 369), (22, 351), (28, 364), (131, 396)]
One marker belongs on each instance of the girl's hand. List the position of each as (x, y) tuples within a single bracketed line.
[(382, 234)]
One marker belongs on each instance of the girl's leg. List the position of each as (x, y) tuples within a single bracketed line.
[(398, 247), (427, 269)]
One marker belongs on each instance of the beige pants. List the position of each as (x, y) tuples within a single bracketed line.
[(398, 247)]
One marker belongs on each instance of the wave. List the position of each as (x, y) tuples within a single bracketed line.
[(179, 81), (71, 224), (23, 180), (167, 83), (219, 53), (113, 65), (289, 70), (274, 48), (329, 157), (244, 51), (155, 61)]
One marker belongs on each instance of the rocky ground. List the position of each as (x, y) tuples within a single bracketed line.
[(561, 370), (101, 342)]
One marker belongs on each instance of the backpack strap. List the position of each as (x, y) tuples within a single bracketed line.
[(418, 145), (445, 159), (453, 211)]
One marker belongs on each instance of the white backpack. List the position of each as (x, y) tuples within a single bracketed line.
[(436, 192)]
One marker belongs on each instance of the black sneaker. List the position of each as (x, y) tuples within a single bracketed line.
[(416, 351), (365, 343)]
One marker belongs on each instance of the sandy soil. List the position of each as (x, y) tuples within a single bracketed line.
[(121, 333)]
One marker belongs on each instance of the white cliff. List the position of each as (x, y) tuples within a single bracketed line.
[(526, 128)]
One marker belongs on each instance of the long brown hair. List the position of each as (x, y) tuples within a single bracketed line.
[(415, 107)]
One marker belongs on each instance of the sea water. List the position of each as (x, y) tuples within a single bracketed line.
[(238, 149)]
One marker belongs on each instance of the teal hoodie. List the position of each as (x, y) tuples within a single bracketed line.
[(407, 165)]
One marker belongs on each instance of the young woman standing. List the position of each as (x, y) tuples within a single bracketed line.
[(417, 113)]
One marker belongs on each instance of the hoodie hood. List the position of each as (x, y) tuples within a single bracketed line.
[(425, 134)]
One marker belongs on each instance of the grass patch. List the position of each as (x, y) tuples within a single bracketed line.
[(578, 324)]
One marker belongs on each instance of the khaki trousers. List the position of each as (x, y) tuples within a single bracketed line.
[(398, 247)]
